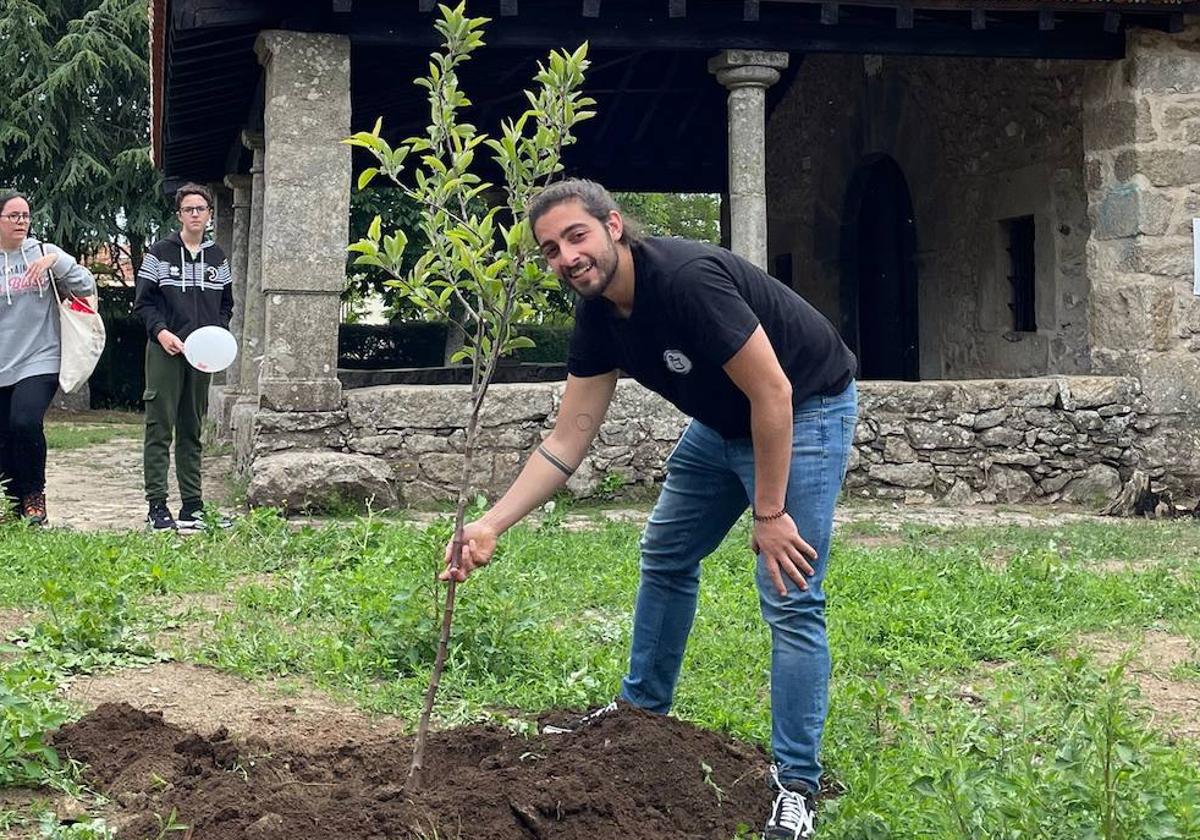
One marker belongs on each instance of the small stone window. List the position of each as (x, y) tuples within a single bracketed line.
[(1018, 233)]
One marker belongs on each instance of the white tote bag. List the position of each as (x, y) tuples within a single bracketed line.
[(82, 337)]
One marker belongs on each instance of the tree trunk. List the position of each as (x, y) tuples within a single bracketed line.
[(136, 253)]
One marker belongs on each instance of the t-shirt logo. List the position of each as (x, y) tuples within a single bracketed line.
[(677, 362)]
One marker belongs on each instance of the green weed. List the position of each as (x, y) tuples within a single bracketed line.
[(28, 709), (80, 436), (85, 629), (51, 829)]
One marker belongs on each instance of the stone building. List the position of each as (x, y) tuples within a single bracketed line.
[(992, 199)]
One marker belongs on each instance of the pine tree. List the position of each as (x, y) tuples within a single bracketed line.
[(74, 121)]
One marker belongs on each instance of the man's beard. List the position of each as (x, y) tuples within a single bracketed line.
[(605, 268)]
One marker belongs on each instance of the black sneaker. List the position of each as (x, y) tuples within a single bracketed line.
[(192, 518), (579, 723), (794, 813), (159, 517)]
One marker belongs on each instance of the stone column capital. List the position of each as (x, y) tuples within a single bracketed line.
[(269, 42), (272, 42), (241, 186), (254, 140), (747, 68)]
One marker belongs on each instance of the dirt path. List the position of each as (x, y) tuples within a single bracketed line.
[(202, 699), (100, 487)]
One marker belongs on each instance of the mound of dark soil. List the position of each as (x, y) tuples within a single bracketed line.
[(627, 775)]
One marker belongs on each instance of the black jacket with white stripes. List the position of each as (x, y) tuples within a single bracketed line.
[(181, 293)]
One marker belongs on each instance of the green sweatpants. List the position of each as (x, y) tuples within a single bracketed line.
[(176, 401)]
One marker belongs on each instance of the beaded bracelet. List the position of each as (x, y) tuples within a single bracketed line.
[(769, 516)]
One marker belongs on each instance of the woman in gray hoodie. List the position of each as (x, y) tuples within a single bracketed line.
[(29, 351)]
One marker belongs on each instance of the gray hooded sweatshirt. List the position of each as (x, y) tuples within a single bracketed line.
[(29, 331)]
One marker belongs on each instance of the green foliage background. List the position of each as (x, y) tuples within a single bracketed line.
[(690, 215), (74, 121)]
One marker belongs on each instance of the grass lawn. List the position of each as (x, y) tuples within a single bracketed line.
[(965, 700), (79, 430)]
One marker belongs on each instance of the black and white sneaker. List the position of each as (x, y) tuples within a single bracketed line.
[(159, 517), (579, 723), (794, 813), (192, 518)]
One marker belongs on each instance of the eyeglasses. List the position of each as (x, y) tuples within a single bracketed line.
[(16, 217), (194, 211)]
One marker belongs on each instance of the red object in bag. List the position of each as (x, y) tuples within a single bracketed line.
[(78, 304)]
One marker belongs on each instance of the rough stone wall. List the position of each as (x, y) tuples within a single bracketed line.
[(1066, 438), (1142, 145), (978, 141), (418, 432), (1074, 439)]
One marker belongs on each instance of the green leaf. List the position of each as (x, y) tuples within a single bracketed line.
[(366, 140), (374, 230), (924, 786), (520, 342), (366, 176)]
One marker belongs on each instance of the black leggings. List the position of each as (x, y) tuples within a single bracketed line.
[(22, 440)]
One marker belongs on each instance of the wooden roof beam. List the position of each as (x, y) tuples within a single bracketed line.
[(508, 8), (591, 8), (750, 10), (1155, 7), (677, 8), (1045, 19), (829, 13), (978, 19), (904, 14), (932, 37)]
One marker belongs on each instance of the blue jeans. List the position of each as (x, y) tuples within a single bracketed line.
[(710, 482)]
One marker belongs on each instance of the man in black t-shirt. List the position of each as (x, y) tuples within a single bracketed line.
[(770, 387)]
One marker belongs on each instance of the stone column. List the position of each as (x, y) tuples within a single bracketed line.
[(222, 216), (1141, 133), (233, 222), (223, 236), (250, 338), (240, 185), (253, 321), (305, 216), (747, 74)]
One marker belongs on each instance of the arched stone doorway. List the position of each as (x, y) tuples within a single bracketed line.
[(879, 272)]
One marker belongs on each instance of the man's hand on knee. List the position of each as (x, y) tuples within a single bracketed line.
[(783, 551)]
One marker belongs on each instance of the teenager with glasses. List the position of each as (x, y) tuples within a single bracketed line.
[(184, 284), (29, 352)]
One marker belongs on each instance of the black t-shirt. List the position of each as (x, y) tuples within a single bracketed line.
[(695, 305)]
